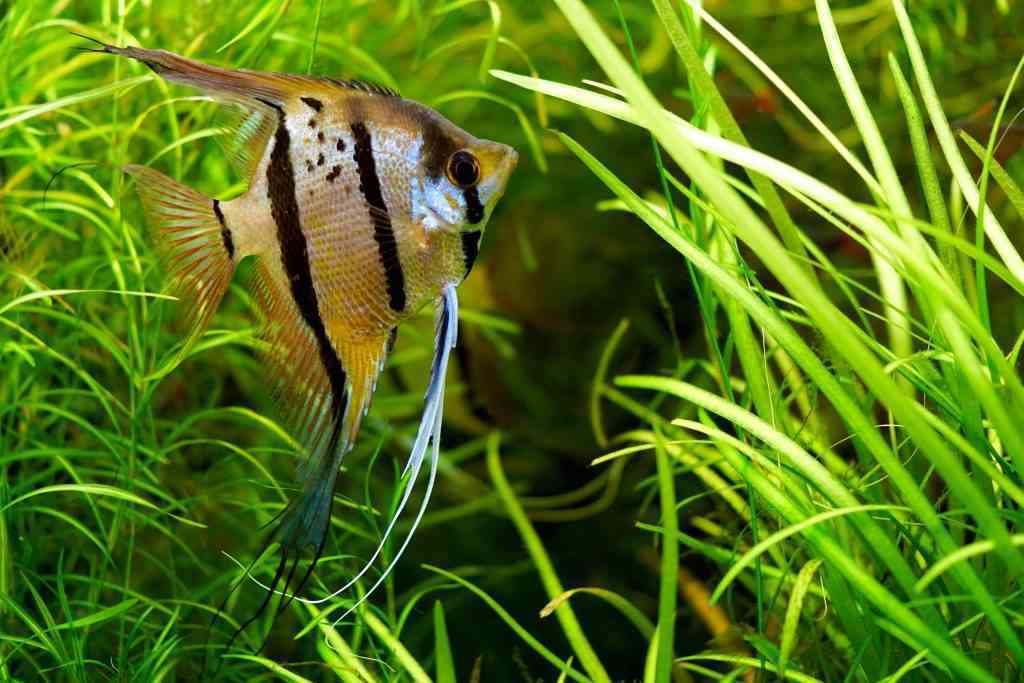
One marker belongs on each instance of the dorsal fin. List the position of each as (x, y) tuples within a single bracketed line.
[(364, 86), (233, 84), (247, 130), (257, 94)]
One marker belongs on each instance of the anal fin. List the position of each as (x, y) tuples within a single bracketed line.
[(363, 360), (322, 415), (311, 512)]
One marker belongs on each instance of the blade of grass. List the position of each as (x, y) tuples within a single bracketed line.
[(962, 554), (667, 594), (745, 344), (825, 314), (28, 113), (806, 358), (651, 660), (503, 614), (793, 611), (885, 602), (753, 664), (442, 648), (316, 36), (281, 672), (789, 94), (979, 270), (1002, 178), (412, 667), (703, 82), (350, 669), (929, 177), (596, 418), (896, 309), (782, 534), (628, 609), (566, 616), (993, 229), (787, 338)]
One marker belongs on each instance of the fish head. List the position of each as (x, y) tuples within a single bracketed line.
[(462, 180)]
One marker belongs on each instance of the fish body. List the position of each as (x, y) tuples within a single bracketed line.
[(362, 207), (378, 249), (355, 184)]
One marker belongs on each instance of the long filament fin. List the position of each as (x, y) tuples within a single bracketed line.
[(427, 436)]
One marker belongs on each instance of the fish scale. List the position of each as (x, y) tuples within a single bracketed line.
[(362, 207)]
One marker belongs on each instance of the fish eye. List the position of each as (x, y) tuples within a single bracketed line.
[(463, 169)]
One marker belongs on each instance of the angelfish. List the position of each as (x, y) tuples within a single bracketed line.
[(362, 208)]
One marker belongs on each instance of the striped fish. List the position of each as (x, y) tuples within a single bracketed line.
[(362, 208)]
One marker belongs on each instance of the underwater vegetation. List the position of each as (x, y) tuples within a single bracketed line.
[(736, 393)]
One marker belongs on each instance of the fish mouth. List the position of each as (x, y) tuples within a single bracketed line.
[(511, 159), (508, 163)]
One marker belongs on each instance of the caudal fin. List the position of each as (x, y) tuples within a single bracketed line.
[(193, 242)]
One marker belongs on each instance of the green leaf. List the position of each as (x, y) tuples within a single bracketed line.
[(993, 229), (100, 616), (793, 612), (503, 614), (442, 648), (782, 534), (669, 564), (628, 610), (565, 614)]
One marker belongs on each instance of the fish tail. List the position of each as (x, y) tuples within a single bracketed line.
[(195, 244)]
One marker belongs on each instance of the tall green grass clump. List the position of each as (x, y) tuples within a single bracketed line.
[(742, 454), (902, 561)]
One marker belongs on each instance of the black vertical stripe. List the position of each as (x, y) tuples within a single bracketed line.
[(383, 233), (474, 209), (438, 145), (312, 103), (225, 232), (470, 248), (392, 338), (284, 207)]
